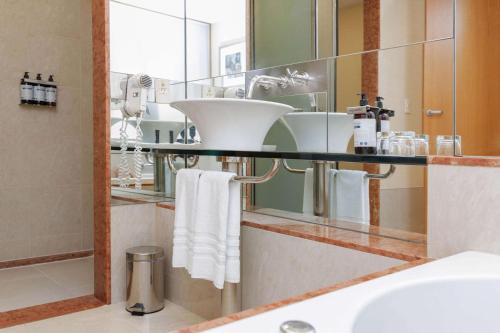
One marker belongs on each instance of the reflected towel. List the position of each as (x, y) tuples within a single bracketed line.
[(349, 196), (307, 201)]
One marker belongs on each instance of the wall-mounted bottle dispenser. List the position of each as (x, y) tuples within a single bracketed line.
[(37, 91)]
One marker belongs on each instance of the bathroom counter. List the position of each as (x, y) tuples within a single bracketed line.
[(343, 225), (120, 197), (261, 309), (403, 245), (391, 243), (479, 161)]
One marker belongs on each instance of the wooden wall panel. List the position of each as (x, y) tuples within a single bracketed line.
[(102, 148), (478, 68), (371, 41)]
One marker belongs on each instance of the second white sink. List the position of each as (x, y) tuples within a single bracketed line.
[(232, 124), (310, 131)]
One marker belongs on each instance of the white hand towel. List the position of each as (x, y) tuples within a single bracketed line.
[(349, 196), (307, 201), (213, 251), (185, 203)]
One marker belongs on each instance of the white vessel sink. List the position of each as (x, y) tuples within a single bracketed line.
[(309, 131), (232, 124)]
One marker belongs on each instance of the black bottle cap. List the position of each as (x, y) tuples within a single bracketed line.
[(39, 76), (51, 78), (26, 75), (157, 136), (171, 136), (380, 103), (363, 100)]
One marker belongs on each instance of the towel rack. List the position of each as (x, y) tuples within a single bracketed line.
[(171, 158), (242, 179), (292, 170), (260, 179), (386, 175)]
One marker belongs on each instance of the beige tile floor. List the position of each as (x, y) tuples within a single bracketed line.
[(44, 283), (113, 319)]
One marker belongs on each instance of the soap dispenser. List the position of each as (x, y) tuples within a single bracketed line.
[(26, 90), (51, 92), (383, 127), (365, 127), (39, 91), (384, 117)]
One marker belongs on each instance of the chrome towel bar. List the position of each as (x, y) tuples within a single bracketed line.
[(242, 179), (292, 170), (386, 175)]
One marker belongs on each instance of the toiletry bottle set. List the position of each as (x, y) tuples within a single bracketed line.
[(38, 91), (369, 123), (383, 126), (365, 127)]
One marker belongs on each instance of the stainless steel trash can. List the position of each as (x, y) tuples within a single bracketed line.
[(145, 280)]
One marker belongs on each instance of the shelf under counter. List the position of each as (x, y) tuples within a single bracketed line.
[(309, 156)]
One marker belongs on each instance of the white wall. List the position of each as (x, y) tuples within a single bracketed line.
[(227, 20), (227, 31), (145, 38)]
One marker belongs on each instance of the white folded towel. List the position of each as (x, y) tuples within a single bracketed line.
[(186, 190), (213, 242), (349, 196), (307, 201)]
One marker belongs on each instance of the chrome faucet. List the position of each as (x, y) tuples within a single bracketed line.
[(292, 78), (266, 82)]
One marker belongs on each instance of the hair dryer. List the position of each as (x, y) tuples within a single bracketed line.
[(135, 91), (136, 95)]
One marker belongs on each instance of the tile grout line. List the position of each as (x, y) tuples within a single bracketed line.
[(66, 291)]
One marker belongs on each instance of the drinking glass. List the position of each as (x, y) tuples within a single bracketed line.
[(383, 143), (421, 145), (444, 145), (402, 144)]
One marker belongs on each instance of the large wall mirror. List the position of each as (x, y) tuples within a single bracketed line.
[(314, 56)]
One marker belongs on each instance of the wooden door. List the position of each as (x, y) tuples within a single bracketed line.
[(438, 71), (478, 68)]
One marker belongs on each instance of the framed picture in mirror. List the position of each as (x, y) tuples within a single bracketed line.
[(232, 58)]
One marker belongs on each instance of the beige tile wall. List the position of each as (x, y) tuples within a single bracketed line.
[(410, 212), (46, 163), (131, 225), (463, 209), (136, 225), (276, 266)]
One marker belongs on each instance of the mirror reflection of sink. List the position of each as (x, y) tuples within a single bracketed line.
[(309, 130), (232, 124), (157, 117)]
